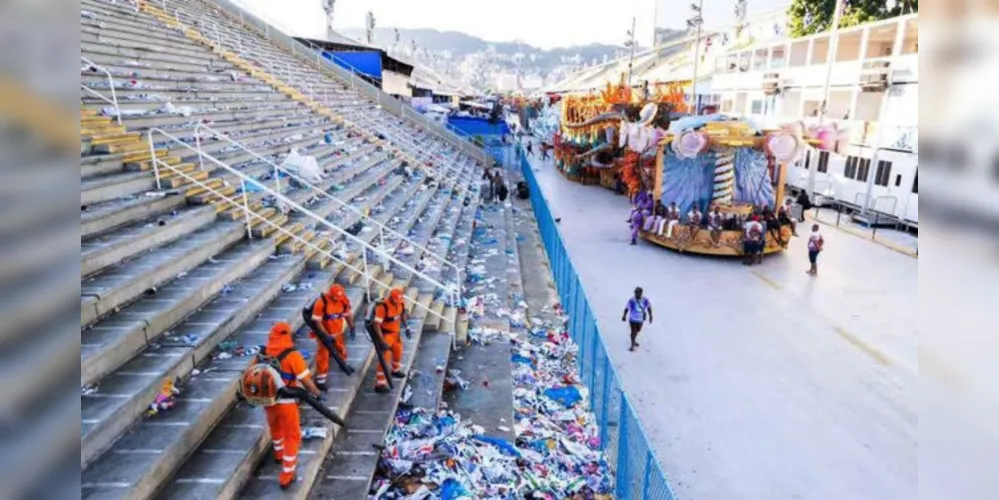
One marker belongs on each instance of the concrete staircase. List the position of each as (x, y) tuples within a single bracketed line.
[(300, 78), (172, 275)]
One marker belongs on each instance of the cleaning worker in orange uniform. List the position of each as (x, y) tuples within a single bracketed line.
[(330, 312), (282, 417), (389, 318)]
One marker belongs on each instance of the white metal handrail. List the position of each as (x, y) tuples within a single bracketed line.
[(113, 100), (382, 228), (364, 270), (319, 52), (403, 136), (289, 76), (281, 199)]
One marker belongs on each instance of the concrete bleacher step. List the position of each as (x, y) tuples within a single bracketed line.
[(101, 217), (139, 463), (117, 286), (123, 243), (222, 464), (126, 389), (116, 339), (97, 165), (429, 370), (349, 468), (108, 187)]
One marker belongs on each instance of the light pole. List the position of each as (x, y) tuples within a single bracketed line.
[(655, 23), (830, 56), (695, 21), (631, 44)]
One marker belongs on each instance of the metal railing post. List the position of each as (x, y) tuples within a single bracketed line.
[(647, 476), (197, 143), (367, 274), (246, 211), (622, 451), (152, 160)]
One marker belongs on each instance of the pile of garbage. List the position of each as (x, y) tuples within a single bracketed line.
[(556, 454)]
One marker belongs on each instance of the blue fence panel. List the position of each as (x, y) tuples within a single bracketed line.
[(638, 472)]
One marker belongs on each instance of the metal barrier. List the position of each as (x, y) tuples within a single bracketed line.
[(639, 474)]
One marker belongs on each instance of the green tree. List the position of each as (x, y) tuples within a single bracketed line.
[(807, 17)]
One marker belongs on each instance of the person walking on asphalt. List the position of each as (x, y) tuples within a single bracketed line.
[(636, 312)]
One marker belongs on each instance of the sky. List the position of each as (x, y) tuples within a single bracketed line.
[(543, 23)]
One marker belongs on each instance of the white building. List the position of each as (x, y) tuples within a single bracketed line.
[(873, 82)]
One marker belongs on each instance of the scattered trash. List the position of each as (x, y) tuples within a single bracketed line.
[(89, 390), (165, 400), (314, 433)]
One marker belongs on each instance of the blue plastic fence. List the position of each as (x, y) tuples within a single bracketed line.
[(638, 472)]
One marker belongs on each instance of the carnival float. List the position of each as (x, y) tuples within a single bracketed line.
[(724, 163), (612, 134)]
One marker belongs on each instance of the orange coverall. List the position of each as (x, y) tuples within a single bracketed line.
[(333, 319), (282, 417), (389, 316)]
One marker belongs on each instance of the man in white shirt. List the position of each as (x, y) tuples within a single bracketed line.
[(694, 217)]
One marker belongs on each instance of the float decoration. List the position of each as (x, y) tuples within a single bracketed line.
[(612, 133), (724, 162)]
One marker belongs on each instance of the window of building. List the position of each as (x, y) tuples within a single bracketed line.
[(850, 172), (823, 162), (756, 108), (883, 173), (898, 180), (863, 168), (915, 183)]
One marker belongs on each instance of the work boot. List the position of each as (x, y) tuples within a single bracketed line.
[(289, 484), (322, 386), (381, 389), (398, 374)]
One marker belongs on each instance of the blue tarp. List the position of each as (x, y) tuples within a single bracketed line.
[(477, 126), (368, 63)]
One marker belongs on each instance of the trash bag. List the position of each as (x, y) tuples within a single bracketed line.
[(566, 396), (303, 166)]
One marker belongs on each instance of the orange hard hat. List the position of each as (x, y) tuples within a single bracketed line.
[(280, 336), (337, 291), (396, 295), (281, 328)]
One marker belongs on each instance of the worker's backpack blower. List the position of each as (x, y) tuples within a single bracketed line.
[(326, 339), (263, 384)]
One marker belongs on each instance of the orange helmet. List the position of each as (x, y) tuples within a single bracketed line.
[(280, 336), (281, 328), (337, 291), (395, 296)]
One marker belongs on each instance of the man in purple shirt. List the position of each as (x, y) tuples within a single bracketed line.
[(636, 312)]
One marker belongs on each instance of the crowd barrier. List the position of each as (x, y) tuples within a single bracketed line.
[(639, 474)]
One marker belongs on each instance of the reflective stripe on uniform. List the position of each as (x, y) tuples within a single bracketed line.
[(291, 458), (288, 470), (301, 376)]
